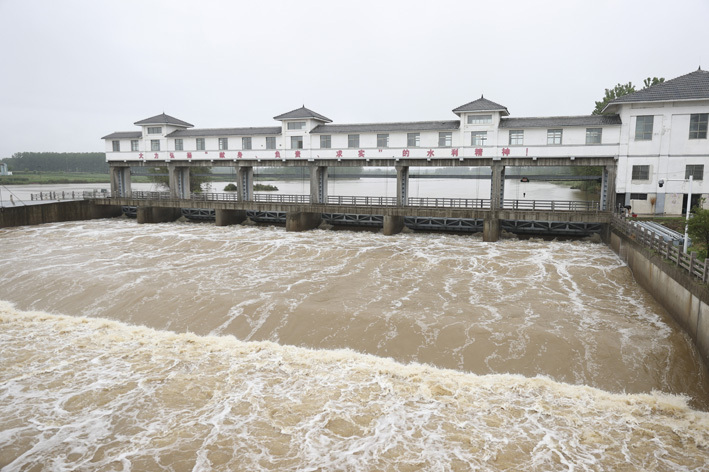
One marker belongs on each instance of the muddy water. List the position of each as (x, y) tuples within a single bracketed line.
[(538, 354)]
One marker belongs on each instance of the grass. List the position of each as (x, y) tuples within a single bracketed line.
[(24, 178)]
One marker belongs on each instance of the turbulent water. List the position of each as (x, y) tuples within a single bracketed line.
[(350, 351)]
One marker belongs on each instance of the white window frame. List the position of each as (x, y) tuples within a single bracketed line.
[(516, 137), (353, 141), (154, 129), (594, 135), (134, 145), (698, 124), (640, 172), (554, 137), (199, 144), (246, 143), (270, 142), (179, 144), (116, 145), (383, 140), (154, 144), (478, 138), (445, 139), (643, 132), (296, 125), (296, 142), (325, 141), (413, 139), (223, 144), (479, 119)]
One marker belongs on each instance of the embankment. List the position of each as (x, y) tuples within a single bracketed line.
[(685, 298), (54, 212)]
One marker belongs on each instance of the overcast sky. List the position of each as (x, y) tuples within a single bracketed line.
[(73, 71)]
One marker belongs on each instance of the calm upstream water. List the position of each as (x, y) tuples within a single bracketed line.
[(186, 346)]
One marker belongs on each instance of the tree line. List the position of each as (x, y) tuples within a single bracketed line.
[(88, 162)]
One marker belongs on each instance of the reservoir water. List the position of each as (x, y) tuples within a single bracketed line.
[(186, 346)]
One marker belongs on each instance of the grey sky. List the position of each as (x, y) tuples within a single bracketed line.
[(76, 70)]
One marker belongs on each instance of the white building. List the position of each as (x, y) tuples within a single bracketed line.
[(658, 136)]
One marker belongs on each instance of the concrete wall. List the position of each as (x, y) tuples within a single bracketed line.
[(54, 212), (684, 298)]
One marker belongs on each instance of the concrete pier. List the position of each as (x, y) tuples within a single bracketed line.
[(491, 228), (302, 221), (229, 217), (393, 225), (157, 214)]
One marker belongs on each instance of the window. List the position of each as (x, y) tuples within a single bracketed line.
[(116, 146), (478, 138), (643, 128), (516, 137), (445, 139), (641, 173), (479, 119), (353, 141), (325, 141), (638, 196), (413, 139), (155, 130), (134, 145), (593, 135), (246, 143), (270, 142), (554, 136), (296, 142), (154, 144), (296, 125), (698, 126), (223, 144), (695, 170), (382, 141), (178, 145), (200, 144)]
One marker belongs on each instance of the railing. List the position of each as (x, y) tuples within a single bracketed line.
[(68, 195), (649, 239), (361, 201), (427, 202), (553, 205), (467, 203)]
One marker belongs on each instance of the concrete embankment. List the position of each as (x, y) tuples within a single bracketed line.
[(54, 212), (685, 298)]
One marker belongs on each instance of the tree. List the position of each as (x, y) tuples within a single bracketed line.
[(619, 90), (649, 82), (611, 94), (698, 230)]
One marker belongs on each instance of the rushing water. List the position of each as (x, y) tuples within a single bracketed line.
[(189, 346)]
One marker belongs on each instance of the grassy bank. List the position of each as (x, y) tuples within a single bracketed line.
[(24, 178)]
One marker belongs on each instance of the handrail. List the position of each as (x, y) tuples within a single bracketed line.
[(666, 249)]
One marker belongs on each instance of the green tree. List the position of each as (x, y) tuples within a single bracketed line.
[(611, 94), (698, 230), (649, 82), (619, 90)]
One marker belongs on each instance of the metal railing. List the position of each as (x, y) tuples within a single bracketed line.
[(426, 202), (550, 205), (666, 249), (467, 203)]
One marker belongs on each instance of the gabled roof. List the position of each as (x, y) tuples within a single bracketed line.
[(264, 130), (163, 119), (692, 86), (560, 121), (302, 113), (481, 104), (392, 127), (124, 135)]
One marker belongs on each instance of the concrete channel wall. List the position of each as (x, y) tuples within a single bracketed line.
[(685, 298), (73, 210)]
